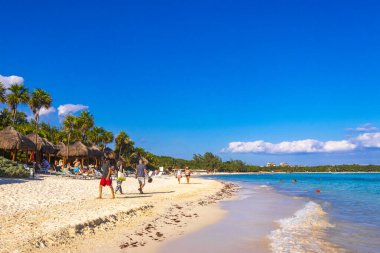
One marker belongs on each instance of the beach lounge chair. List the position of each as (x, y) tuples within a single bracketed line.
[(97, 174), (40, 169)]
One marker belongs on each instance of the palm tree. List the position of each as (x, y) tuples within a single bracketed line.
[(2, 93), (96, 134), (6, 119), (85, 123), (69, 125), (107, 137), (18, 95), (39, 99), (124, 144)]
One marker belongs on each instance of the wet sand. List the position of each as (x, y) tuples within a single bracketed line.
[(246, 226)]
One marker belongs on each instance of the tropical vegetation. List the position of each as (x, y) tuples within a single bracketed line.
[(83, 128)]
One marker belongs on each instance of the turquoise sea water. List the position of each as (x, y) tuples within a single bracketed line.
[(351, 201)]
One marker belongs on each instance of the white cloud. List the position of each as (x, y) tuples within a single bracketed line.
[(364, 128), (63, 110), (9, 80), (338, 146), (289, 147), (44, 111), (369, 140)]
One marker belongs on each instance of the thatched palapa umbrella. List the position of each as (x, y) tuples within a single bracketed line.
[(60, 146), (43, 144), (50, 147), (12, 140), (78, 150), (109, 153), (95, 153)]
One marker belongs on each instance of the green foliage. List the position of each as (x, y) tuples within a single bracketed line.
[(321, 168), (2, 93), (124, 146), (18, 94), (100, 137), (6, 118), (82, 128), (85, 121), (212, 162), (12, 169), (39, 99)]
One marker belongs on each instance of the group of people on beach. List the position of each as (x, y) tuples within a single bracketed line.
[(178, 174), (110, 166), (141, 173), (74, 168)]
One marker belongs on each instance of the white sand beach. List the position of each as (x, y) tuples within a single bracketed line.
[(56, 214)]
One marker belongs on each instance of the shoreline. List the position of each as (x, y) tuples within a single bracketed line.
[(264, 220), (249, 220), (72, 220)]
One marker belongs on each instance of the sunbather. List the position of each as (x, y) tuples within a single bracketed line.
[(77, 165)]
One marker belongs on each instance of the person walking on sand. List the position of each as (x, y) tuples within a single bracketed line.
[(141, 173), (120, 177), (179, 175), (106, 178), (187, 174)]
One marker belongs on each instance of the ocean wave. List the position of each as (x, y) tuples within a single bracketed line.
[(304, 232), (263, 186)]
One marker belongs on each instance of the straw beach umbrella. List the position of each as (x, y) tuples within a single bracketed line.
[(95, 153), (59, 146), (78, 149), (109, 153), (42, 143), (12, 140), (50, 147)]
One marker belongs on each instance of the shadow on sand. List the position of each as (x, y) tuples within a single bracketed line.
[(145, 195), (17, 180), (151, 193)]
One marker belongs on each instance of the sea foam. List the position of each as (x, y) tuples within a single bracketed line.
[(304, 232)]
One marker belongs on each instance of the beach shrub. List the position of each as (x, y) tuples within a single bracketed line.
[(13, 169)]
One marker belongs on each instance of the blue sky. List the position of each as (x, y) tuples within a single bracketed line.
[(185, 77)]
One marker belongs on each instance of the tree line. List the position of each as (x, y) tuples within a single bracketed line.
[(82, 128), (73, 128), (211, 162)]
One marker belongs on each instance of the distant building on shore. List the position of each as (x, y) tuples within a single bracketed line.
[(270, 164), (284, 165)]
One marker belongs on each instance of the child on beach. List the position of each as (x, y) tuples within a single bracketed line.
[(179, 175), (120, 178)]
